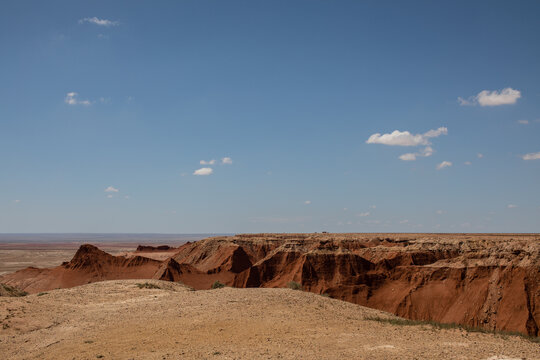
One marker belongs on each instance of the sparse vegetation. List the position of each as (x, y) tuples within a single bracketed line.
[(218, 285), (6, 290), (438, 325), (294, 285), (42, 293), (148, 285)]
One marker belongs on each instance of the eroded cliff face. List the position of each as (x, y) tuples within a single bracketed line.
[(482, 280), (490, 281)]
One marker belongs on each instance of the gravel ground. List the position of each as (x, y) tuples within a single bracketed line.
[(119, 320)]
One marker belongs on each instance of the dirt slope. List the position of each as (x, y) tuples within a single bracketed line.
[(118, 320)]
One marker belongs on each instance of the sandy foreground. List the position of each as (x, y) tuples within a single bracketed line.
[(118, 320)]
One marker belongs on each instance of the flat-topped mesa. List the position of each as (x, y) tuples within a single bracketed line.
[(481, 280), (486, 280), (149, 248)]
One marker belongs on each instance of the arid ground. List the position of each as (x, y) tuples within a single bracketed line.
[(120, 320), (93, 306)]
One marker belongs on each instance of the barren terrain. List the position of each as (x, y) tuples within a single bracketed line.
[(489, 281), (119, 320)]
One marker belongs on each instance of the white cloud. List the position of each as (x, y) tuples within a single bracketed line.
[(506, 96), (405, 138), (468, 163), (531, 156), (16, 201), (71, 99), (203, 171), (444, 164), (428, 151), (209, 162), (307, 202), (512, 206), (439, 212), (100, 22), (111, 189), (408, 157), (523, 122), (373, 207), (479, 155), (364, 214), (127, 197), (226, 160), (404, 221), (109, 196)]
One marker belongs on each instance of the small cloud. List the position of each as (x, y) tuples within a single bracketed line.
[(443, 165), (511, 206), (428, 151), (345, 209), (104, 100), (111, 189), (404, 221), (102, 36), (468, 163), (364, 214), (531, 156), (507, 96), (405, 138), (307, 202), (209, 162), (127, 197), (203, 171), (408, 157), (439, 212), (100, 22), (373, 207), (479, 155), (109, 196), (226, 160), (16, 201), (71, 99), (523, 122)]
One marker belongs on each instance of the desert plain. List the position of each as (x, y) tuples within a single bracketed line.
[(362, 296)]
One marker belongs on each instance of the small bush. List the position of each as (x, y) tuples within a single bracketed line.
[(438, 325), (294, 285), (218, 285), (6, 290), (42, 293), (147, 285)]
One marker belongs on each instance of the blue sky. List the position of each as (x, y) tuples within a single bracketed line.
[(349, 116)]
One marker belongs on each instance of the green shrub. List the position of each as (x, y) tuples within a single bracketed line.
[(294, 285), (218, 285), (147, 285), (438, 325)]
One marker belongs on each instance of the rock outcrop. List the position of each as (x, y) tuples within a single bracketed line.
[(89, 264), (490, 281), (481, 280)]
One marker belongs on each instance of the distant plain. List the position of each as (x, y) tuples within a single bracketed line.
[(19, 251)]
